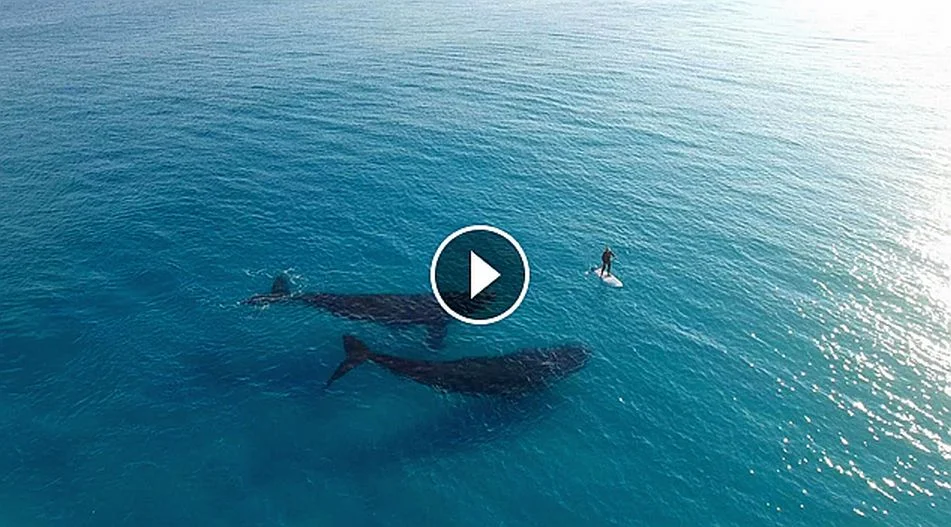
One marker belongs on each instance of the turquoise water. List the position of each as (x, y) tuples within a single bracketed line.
[(774, 177)]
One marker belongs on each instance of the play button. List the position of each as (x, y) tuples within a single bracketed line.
[(479, 274)]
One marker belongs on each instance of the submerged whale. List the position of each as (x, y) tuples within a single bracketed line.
[(389, 309), (525, 371)]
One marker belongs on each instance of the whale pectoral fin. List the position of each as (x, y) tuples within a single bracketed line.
[(436, 335)]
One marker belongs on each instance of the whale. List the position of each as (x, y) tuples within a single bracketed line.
[(525, 371), (395, 310)]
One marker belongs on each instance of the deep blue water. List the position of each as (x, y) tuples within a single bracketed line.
[(774, 177)]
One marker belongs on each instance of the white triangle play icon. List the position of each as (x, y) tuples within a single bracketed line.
[(481, 275)]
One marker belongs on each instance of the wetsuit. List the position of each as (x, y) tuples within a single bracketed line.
[(606, 262)]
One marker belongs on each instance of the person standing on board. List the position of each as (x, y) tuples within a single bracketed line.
[(606, 258)]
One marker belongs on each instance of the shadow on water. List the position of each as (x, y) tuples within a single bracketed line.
[(453, 422), (460, 424), (217, 372), (447, 424)]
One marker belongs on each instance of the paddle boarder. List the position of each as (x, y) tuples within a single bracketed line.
[(606, 258)]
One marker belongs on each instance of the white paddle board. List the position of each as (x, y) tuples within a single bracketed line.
[(610, 279)]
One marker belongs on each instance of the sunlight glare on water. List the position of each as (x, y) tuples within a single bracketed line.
[(886, 348)]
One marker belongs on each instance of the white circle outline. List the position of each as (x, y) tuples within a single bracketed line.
[(442, 246)]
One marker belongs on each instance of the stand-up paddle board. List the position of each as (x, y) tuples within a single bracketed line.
[(610, 279)]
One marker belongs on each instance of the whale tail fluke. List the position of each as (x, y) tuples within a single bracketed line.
[(281, 285), (357, 353), (280, 291)]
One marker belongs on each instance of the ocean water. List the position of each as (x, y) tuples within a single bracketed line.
[(775, 178)]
